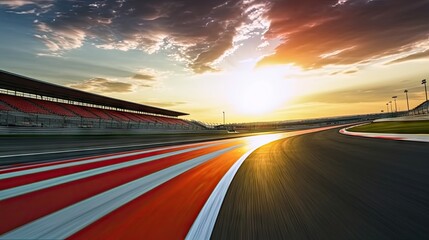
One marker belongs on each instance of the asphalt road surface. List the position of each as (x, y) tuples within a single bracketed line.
[(325, 185), (39, 148), (309, 184)]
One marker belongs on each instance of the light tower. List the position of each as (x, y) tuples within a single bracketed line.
[(426, 90), (224, 119), (396, 107), (406, 96)]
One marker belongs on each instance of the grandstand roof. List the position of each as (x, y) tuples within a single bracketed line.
[(19, 83)]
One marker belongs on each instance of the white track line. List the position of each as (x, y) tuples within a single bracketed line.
[(70, 220), (388, 136), (203, 225), (17, 191), (70, 164)]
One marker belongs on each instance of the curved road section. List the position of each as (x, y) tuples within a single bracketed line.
[(306, 184), (325, 185), (157, 193)]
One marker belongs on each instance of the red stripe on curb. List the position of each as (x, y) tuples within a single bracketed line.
[(36, 177), (46, 201), (168, 211)]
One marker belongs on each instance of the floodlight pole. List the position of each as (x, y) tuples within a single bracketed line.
[(396, 107), (426, 90), (406, 95), (387, 106), (224, 119), (391, 107)]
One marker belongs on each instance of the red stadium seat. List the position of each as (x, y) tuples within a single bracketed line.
[(101, 113), (53, 107), (144, 118), (186, 123), (29, 105), (173, 121), (162, 120), (4, 108), (80, 111), (131, 116), (148, 118), (22, 104), (118, 116)]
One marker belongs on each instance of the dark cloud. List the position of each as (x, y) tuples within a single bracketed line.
[(350, 71), (315, 33), (197, 32), (415, 56), (344, 32), (164, 104), (31, 3), (102, 85), (145, 77)]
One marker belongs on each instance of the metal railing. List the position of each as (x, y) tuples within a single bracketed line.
[(19, 119)]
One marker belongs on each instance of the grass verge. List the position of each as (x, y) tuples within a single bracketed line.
[(417, 127)]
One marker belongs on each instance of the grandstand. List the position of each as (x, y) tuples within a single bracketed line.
[(33, 103), (422, 108)]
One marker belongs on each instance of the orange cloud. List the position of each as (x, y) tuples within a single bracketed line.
[(355, 31)]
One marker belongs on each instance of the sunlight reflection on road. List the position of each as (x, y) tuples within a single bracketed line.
[(257, 141)]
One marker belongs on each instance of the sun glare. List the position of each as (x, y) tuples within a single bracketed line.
[(257, 141), (260, 91), (257, 97)]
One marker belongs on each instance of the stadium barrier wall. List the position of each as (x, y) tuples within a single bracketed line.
[(18, 119), (95, 131)]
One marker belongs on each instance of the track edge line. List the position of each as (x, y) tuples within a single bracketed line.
[(204, 223), (386, 136)]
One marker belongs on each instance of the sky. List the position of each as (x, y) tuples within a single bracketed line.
[(255, 60)]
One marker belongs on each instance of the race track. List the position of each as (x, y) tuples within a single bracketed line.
[(305, 184)]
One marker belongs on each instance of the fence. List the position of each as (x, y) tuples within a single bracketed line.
[(13, 118)]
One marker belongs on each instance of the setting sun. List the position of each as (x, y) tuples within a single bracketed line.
[(257, 97), (260, 91)]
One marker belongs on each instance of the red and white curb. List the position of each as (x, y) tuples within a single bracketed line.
[(389, 136)]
